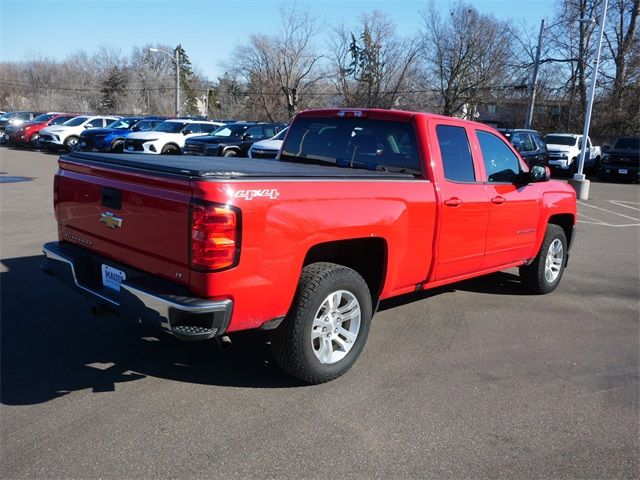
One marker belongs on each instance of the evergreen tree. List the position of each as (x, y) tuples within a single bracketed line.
[(113, 90), (186, 83)]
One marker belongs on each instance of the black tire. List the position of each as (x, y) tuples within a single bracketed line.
[(291, 341), (573, 169), (170, 150), (533, 276), (117, 146), (71, 144), (229, 153), (33, 141)]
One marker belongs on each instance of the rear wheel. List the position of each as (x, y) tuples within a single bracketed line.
[(544, 273), (327, 325), (33, 141), (229, 153)]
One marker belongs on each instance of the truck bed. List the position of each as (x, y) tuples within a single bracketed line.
[(213, 168)]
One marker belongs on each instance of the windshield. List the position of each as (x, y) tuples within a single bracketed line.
[(280, 135), (630, 143), (74, 122), (353, 143), (8, 115), (229, 131), (170, 127), (560, 140), (123, 123), (43, 118)]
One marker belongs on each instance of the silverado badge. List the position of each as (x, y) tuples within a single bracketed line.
[(110, 220)]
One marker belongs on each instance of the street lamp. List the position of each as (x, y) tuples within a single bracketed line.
[(176, 58), (579, 181)]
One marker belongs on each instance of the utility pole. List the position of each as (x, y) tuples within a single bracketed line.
[(534, 80)]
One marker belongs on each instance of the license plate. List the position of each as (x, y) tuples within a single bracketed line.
[(83, 144), (112, 278), (130, 149), (623, 171)]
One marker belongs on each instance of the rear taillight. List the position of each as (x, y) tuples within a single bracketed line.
[(215, 236)]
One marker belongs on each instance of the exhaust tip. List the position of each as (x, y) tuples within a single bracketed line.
[(224, 342)]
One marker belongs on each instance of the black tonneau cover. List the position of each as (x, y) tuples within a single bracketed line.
[(226, 167)]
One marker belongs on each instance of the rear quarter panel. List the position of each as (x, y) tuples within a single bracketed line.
[(278, 231)]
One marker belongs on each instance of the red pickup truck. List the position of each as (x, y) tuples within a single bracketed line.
[(362, 205)]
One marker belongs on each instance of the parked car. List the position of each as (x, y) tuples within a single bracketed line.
[(168, 138), (231, 140), (28, 133), (622, 161), (111, 138), (67, 134), (362, 206), (564, 152), (17, 118), (529, 144), (268, 148)]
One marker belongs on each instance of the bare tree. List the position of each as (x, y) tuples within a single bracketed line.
[(466, 55), (280, 69), (372, 67)]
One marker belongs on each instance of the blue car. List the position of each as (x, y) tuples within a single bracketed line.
[(111, 138)]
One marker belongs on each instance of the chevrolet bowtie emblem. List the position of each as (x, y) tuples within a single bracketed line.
[(110, 220)]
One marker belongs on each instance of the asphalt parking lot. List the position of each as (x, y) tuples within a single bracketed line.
[(477, 380)]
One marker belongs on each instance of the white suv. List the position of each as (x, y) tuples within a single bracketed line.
[(167, 138), (68, 133)]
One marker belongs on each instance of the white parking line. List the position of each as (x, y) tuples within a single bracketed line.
[(622, 203), (608, 211)]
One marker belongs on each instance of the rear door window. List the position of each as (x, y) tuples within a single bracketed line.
[(457, 161)]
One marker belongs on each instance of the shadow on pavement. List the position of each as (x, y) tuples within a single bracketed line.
[(51, 345)]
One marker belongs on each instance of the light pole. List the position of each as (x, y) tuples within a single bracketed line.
[(176, 58), (579, 181), (534, 80)]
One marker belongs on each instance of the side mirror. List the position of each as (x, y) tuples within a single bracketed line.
[(538, 173), (187, 132), (88, 126), (247, 136), (135, 128)]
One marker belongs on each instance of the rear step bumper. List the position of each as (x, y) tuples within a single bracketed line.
[(142, 297)]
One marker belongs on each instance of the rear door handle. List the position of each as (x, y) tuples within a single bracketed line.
[(453, 202), (498, 200)]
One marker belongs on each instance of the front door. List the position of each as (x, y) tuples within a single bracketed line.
[(514, 210)]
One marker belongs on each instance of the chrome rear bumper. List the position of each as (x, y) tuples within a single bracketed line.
[(142, 297)]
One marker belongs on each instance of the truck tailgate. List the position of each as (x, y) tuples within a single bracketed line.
[(136, 218)]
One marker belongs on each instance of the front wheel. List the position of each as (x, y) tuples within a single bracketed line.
[(229, 153), (327, 325), (72, 144), (544, 273)]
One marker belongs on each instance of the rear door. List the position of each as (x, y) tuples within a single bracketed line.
[(464, 210), (514, 209)]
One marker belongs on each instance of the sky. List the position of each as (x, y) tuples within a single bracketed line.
[(208, 30)]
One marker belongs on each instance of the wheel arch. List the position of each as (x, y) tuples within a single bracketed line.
[(566, 221), (367, 256)]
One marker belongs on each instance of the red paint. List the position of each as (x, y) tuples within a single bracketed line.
[(435, 231)]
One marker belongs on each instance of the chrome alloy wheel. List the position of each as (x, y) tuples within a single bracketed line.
[(553, 262), (73, 144), (335, 327)]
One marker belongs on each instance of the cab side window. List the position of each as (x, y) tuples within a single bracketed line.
[(500, 162), (254, 132), (456, 153)]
